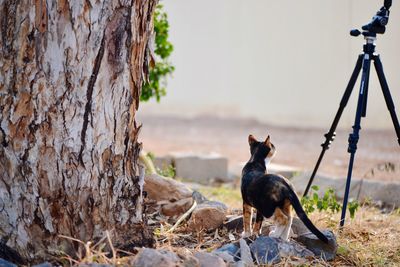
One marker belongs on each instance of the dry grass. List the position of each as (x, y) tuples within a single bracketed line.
[(370, 239)]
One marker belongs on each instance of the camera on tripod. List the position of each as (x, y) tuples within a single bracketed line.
[(378, 23), (376, 26)]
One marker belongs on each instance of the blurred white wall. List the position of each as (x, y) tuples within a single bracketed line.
[(282, 62)]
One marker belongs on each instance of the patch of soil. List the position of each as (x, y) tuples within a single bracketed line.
[(377, 157)]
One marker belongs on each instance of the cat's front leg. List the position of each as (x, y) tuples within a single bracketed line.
[(246, 220), (258, 223), (286, 232)]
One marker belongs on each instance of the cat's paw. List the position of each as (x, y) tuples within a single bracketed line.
[(273, 233), (246, 234)]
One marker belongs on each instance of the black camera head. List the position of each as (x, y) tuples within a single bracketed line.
[(378, 22)]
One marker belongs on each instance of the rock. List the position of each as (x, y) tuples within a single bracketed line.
[(234, 223), (178, 207), (94, 265), (298, 227), (187, 258), (160, 188), (8, 254), (265, 250), (232, 249), (163, 162), (293, 249), (245, 253), (237, 264), (324, 183), (208, 259), (4, 263), (44, 264), (190, 261), (198, 197), (225, 256), (200, 168), (386, 192), (319, 248), (208, 216), (148, 257)]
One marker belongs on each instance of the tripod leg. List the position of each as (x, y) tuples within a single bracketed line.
[(353, 138), (330, 136), (387, 95)]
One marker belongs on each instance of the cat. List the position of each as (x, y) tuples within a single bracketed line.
[(270, 194)]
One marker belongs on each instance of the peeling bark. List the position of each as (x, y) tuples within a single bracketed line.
[(70, 79)]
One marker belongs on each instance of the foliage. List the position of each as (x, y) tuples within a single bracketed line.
[(167, 171), (327, 203), (353, 207), (155, 87)]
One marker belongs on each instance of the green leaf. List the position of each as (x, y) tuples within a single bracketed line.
[(315, 187), (156, 86)]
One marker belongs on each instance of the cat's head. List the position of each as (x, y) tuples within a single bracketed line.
[(264, 150)]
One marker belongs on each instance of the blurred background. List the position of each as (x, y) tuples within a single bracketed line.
[(273, 67)]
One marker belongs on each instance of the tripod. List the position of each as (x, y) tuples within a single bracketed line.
[(363, 63)]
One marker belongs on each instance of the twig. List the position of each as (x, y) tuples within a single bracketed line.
[(183, 217), (111, 246)]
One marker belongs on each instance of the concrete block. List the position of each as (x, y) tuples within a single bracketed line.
[(200, 168), (162, 162), (324, 183), (386, 192), (284, 170)]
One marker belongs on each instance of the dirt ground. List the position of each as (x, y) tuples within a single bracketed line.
[(377, 149)]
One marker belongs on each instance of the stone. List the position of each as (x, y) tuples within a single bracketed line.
[(44, 264), (209, 259), (387, 192), (208, 216), (232, 249), (237, 264), (298, 227), (225, 256), (245, 252), (163, 162), (293, 249), (177, 208), (234, 223), (190, 261), (187, 258), (94, 265), (324, 183), (198, 197), (160, 188), (284, 170), (319, 248), (201, 168), (148, 257), (4, 263), (265, 250)]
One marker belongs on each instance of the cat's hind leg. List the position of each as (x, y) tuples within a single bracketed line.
[(287, 210), (281, 221), (246, 220)]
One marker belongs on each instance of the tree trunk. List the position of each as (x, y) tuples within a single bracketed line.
[(70, 79)]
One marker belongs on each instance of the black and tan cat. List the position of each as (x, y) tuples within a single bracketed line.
[(271, 195)]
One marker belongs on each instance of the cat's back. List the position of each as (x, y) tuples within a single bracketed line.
[(258, 186)]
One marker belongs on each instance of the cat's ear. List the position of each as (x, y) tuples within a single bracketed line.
[(252, 139), (268, 141)]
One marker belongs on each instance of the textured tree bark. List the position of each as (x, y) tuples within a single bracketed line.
[(70, 79)]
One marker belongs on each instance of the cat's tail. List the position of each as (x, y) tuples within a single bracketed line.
[(303, 216)]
